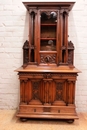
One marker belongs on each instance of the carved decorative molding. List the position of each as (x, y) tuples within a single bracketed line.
[(47, 74)]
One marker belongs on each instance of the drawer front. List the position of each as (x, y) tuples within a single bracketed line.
[(62, 110), (27, 109)]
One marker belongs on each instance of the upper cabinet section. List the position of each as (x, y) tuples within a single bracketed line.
[(48, 34)]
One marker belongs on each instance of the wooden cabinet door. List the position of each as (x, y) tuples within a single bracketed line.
[(48, 91)]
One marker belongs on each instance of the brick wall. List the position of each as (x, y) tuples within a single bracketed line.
[(14, 32)]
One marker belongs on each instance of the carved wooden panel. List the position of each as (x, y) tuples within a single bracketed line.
[(35, 89), (46, 109), (48, 58), (70, 57), (59, 91)]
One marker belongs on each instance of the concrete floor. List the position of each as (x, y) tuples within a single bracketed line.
[(9, 121)]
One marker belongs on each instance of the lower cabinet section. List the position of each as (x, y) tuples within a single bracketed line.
[(47, 95)]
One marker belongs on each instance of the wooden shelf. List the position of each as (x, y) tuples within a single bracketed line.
[(48, 38), (48, 52), (49, 24)]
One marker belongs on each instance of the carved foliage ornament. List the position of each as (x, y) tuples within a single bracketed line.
[(48, 58)]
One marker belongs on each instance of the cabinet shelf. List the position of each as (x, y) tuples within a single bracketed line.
[(51, 24), (48, 38), (49, 52)]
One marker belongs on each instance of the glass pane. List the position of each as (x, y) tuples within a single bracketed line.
[(48, 17), (48, 31), (48, 45)]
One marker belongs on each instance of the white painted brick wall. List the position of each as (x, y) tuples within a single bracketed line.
[(14, 32)]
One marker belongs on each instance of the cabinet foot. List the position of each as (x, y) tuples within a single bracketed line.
[(70, 121), (23, 119)]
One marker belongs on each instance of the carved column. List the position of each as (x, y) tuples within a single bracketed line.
[(32, 36), (61, 34), (71, 91), (23, 93), (66, 34), (32, 14), (58, 37)]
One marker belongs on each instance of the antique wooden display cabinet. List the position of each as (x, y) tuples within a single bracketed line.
[(48, 76)]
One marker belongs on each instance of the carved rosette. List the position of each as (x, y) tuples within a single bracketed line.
[(48, 59)]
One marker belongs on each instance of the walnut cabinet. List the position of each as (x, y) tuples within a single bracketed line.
[(48, 75)]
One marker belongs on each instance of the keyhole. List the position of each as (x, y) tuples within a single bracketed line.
[(34, 110), (58, 111)]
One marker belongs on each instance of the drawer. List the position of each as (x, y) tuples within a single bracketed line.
[(27, 109), (62, 110)]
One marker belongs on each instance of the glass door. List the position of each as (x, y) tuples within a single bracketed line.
[(48, 31)]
